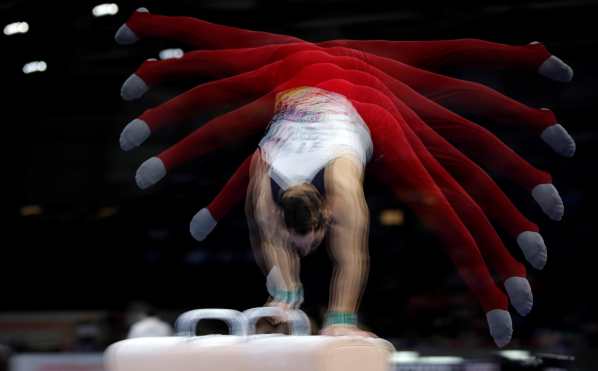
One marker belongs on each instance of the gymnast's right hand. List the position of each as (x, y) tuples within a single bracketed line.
[(279, 304), (345, 330)]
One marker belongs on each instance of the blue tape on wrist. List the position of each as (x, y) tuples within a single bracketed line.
[(341, 318), (290, 297)]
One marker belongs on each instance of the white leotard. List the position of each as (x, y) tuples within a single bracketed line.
[(310, 128)]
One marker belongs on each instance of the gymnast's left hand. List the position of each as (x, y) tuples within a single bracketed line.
[(345, 330)]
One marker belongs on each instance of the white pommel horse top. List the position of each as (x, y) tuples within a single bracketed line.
[(243, 350)]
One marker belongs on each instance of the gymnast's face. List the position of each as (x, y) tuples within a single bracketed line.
[(305, 217), (308, 242)]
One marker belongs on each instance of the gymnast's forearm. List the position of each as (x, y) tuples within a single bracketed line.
[(267, 237), (279, 265), (351, 263), (348, 238), (287, 262)]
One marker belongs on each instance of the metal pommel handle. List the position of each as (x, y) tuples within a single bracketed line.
[(296, 318), (186, 323)]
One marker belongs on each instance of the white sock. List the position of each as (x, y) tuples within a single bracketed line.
[(520, 294), (549, 200), (124, 35), (202, 224), (150, 173), (533, 247), (500, 325), (135, 133), (555, 69), (133, 88), (557, 137)]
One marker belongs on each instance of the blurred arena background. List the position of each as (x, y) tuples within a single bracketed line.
[(84, 249)]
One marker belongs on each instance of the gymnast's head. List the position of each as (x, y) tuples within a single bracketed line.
[(305, 217)]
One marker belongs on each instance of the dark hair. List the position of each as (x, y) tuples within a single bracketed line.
[(302, 208)]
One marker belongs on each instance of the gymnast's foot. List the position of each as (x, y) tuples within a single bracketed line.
[(520, 294), (134, 87), (547, 196), (202, 224), (126, 36), (533, 247), (345, 330), (150, 173), (500, 325), (555, 69), (557, 137), (134, 134)]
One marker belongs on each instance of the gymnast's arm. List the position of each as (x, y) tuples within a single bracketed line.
[(267, 233), (348, 239)]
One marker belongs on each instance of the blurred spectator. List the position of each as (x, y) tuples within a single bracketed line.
[(4, 355), (87, 338)]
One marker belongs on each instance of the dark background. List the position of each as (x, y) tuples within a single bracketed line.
[(97, 242)]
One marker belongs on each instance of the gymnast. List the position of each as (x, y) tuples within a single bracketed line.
[(306, 180), (416, 140)]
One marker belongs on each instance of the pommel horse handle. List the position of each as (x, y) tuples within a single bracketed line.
[(186, 323)]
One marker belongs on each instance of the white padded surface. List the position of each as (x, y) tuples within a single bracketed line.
[(254, 353)]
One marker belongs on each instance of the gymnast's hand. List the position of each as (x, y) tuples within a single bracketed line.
[(345, 330), (280, 304), (274, 322), (270, 325)]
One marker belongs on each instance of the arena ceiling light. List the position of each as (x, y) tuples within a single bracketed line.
[(104, 10), (171, 53), (392, 217), (16, 28), (404, 357), (36, 66), (516, 355), (31, 210), (440, 360)]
